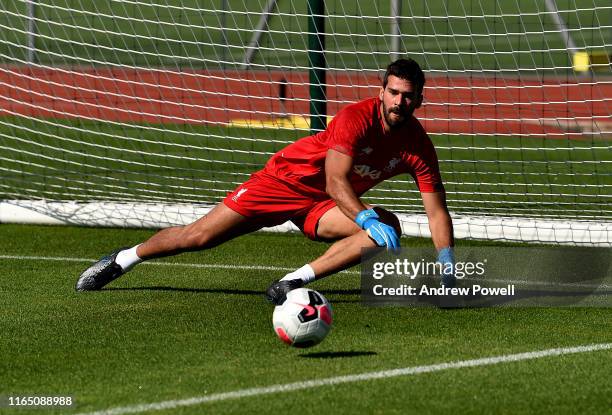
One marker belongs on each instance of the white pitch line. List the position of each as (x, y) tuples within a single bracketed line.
[(337, 380), (171, 264), (46, 258), (273, 268), (176, 264)]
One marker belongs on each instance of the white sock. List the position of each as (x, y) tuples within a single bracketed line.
[(306, 274), (127, 258)]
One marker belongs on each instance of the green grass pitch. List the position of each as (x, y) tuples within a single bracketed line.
[(188, 329), (177, 331)]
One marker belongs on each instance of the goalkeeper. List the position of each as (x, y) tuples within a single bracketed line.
[(316, 183)]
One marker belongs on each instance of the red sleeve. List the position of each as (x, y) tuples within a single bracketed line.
[(344, 132), (425, 169)]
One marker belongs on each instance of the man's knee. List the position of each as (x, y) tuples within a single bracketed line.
[(192, 238), (334, 224), (389, 218), (198, 235)]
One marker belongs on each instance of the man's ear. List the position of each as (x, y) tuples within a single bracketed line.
[(380, 94)]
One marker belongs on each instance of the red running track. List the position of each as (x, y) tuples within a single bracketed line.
[(476, 105)]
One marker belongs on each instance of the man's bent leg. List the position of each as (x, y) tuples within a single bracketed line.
[(344, 253), (341, 255)]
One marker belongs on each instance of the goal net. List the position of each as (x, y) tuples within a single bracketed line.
[(147, 113)]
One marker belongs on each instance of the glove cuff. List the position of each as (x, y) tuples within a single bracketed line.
[(446, 255), (365, 215)]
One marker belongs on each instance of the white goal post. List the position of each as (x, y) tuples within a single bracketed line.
[(140, 113), (142, 215)]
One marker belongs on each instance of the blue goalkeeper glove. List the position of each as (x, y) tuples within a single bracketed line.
[(383, 234), (446, 257)]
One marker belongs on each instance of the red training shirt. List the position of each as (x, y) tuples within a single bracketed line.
[(358, 131)]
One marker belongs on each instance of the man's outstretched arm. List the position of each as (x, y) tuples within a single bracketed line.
[(440, 222), (441, 227)]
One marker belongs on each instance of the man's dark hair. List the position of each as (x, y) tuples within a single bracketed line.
[(406, 69)]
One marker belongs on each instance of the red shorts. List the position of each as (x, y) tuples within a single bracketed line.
[(271, 202)]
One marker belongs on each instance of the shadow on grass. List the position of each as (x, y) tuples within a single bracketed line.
[(223, 291), (340, 292), (336, 355)]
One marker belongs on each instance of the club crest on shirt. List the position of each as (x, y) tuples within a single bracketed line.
[(237, 195)]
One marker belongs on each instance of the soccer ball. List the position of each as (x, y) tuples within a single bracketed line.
[(304, 319)]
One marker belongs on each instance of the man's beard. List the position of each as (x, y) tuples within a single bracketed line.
[(396, 110)]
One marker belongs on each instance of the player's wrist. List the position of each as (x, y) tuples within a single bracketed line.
[(446, 255), (366, 218)]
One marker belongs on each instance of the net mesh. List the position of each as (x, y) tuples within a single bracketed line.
[(177, 102)]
